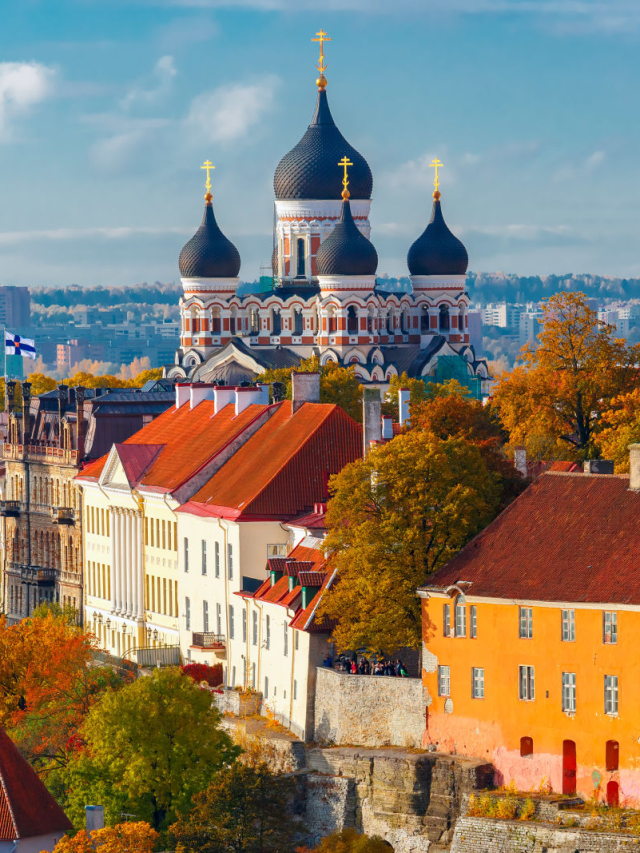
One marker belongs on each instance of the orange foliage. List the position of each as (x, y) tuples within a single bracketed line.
[(121, 838)]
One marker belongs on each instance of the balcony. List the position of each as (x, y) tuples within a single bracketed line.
[(62, 515), (10, 508), (210, 642)]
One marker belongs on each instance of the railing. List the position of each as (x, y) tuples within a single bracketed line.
[(10, 508), (62, 514), (46, 574), (161, 656), (207, 640)]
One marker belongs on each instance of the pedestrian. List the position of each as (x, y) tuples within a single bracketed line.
[(354, 668), (328, 661), (366, 667)]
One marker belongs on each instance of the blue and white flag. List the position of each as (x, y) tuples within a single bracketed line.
[(15, 345)]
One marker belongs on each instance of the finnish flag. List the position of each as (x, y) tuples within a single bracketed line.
[(15, 345)]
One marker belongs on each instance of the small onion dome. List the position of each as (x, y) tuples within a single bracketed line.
[(346, 251), (437, 251), (309, 171), (209, 254)]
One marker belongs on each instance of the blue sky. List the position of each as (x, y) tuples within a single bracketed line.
[(107, 110)]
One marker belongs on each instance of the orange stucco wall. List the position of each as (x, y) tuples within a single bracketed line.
[(492, 727)]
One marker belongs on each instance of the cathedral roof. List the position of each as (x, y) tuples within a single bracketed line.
[(346, 251), (309, 171), (209, 254), (437, 251)]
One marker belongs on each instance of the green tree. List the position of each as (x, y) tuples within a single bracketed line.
[(394, 518), (338, 384), (149, 748), (417, 394), (349, 841), (246, 809)]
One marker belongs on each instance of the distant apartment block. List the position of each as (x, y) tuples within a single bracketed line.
[(15, 307), (506, 315), (529, 326)]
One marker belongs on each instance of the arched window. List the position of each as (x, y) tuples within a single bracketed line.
[(526, 747), (300, 272), (276, 322), (424, 319), (612, 756), (298, 326), (444, 318), (371, 320), (255, 321), (233, 321), (352, 320), (215, 321), (332, 320)]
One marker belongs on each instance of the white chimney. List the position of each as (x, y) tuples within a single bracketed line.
[(634, 467), (222, 396), (520, 461), (403, 406), (387, 427), (95, 817), (371, 420), (254, 396), (305, 388), (200, 391), (182, 393)]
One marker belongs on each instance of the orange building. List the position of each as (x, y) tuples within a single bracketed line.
[(532, 637)]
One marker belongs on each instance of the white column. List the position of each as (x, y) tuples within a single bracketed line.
[(140, 567), (127, 562), (122, 561), (115, 561)]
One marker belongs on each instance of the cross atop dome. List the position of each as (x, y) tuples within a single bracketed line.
[(322, 37)]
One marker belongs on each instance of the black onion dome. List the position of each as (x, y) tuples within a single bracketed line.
[(209, 254), (310, 170), (437, 251), (346, 251)]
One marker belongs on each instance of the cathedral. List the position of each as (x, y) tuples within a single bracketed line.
[(324, 299)]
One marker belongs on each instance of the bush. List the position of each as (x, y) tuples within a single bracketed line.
[(203, 672), (349, 841)]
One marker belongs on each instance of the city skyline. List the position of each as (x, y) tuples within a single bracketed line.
[(105, 121)]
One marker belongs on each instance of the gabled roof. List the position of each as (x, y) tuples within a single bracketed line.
[(136, 458), (27, 809), (568, 537), (284, 467)]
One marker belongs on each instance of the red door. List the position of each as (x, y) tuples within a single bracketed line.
[(569, 767), (613, 794)]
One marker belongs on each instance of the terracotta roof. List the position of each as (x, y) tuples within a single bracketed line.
[(304, 619), (311, 578), (191, 437), (136, 458), (567, 467), (277, 564), (285, 466), (311, 521), (27, 809), (568, 537), (294, 567)]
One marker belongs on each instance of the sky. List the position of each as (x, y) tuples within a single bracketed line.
[(109, 107)]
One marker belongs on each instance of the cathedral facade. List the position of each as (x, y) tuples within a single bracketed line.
[(325, 300)]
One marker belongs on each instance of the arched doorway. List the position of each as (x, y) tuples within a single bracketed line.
[(613, 794), (526, 747), (569, 767)]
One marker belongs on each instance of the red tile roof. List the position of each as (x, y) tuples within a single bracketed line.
[(285, 466), (568, 537), (311, 521), (27, 809), (311, 578), (136, 458)]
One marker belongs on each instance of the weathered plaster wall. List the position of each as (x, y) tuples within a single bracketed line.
[(368, 710)]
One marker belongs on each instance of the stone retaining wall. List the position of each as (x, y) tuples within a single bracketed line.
[(480, 835), (368, 710), (241, 704)]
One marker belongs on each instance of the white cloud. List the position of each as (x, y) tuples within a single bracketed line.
[(417, 174), (153, 90), (22, 84), (226, 114), (595, 159), (124, 139), (12, 238)]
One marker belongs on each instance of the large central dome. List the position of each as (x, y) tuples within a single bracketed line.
[(310, 170)]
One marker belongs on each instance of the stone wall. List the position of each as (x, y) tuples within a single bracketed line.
[(241, 704), (479, 835), (368, 710)]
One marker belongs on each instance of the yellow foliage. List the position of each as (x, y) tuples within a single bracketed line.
[(121, 838)]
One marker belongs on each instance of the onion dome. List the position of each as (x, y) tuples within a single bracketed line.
[(308, 171), (346, 251), (209, 254), (437, 251)]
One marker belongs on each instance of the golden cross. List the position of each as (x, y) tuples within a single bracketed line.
[(322, 38), (434, 164), (345, 181), (208, 165)]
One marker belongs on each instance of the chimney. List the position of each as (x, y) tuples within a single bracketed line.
[(252, 396), (26, 403), (223, 395), (80, 422), (200, 391), (520, 460), (10, 393), (371, 419), (598, 466), (387, 427), (95, 818), (403, 406), (182, 393), (305, 388), (634, 467)]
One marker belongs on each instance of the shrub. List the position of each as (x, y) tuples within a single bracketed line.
[(527, 810), (203, 672)]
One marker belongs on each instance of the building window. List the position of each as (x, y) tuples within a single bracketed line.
[(444, 681), (254, 626), (244, 627), (186, 553), (286, 639), (217, 559), (230, 561), (609, 627), (268, 637), (526, 683), (205, 616), (569, 691), (187, 614), (444, 318), (276, 551), (446, 620), (526, 623), (300, 273), (477, 682), (266, 687), (461, 620), (473, 622), (204, 557), (218, 619), (568, 626), (232, 629), (612, 755), (295, 689), (611, 694), (296, 641)]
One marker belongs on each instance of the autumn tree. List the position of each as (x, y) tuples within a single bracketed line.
[(338, 384), (350, 841), (147, 749), (554, 400), (246, 809), (417, 394), (41, 383), (620, 427), (394, 518), (135, 837)]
